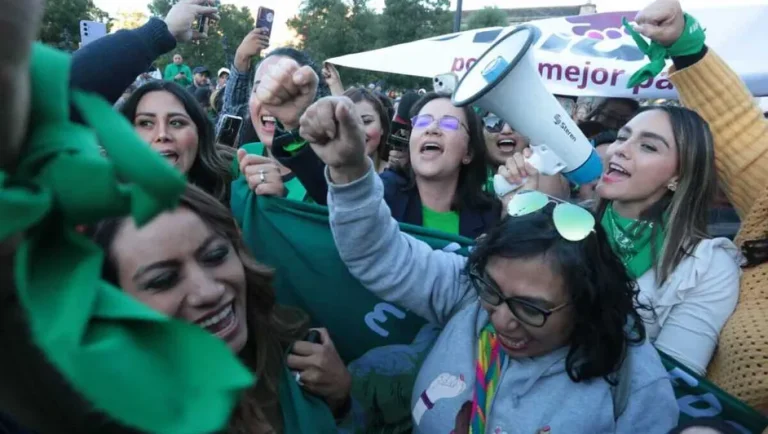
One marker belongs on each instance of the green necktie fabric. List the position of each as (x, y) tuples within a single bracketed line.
[(691, 41), (632, 240), (303, 413), (143, 369)]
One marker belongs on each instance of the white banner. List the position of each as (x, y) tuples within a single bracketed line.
[(588, 55)]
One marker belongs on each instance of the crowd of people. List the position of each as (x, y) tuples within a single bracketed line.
[(553, 323)]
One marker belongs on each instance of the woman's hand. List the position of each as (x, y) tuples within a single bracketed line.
[(335, 131), (181, 16), (332, 77), (321, 370), (263, 174), (286, 90), (253, 44), (661, 21), (518, 170)]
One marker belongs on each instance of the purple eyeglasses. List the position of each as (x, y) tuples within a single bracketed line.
[(446, 123)]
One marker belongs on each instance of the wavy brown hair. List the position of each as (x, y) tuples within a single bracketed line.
[(211, 169), (271, 328)]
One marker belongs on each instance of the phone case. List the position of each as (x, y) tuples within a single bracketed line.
[(265, 19)]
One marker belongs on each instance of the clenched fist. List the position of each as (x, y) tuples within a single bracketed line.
[(661, 21), (335, 131), (286, 90)]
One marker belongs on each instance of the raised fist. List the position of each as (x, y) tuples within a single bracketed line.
[(335, 131), (286, 90), (661, 21)]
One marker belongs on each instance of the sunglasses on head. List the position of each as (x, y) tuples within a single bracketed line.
[(572, 222), (493, 123), (524, 310), (446, 123)]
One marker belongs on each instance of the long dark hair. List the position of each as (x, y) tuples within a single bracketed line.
[(602, 294), (211, 170), (470, 191), (271, 328), (359, 94), (688, 205)]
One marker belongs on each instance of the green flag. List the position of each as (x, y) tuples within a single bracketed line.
[(295, 238)]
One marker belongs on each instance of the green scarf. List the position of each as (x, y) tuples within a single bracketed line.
[(140, 367), (632, 240), (691, 41)]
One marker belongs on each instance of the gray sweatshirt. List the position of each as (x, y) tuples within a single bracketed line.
[(533, 393)]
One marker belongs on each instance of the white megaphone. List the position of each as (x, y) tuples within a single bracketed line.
[(505, 82)]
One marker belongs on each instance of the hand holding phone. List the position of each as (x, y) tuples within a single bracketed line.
[(264, 20), (183, 14), (318, 368)]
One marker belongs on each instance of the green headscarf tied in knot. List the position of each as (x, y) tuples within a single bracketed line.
[(691, 41), (141, 368)]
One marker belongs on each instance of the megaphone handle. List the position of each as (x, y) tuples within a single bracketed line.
[(502, 187)]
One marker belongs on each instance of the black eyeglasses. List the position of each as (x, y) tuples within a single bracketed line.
[(523, 310)]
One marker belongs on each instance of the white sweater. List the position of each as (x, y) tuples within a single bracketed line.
[(693, 305)]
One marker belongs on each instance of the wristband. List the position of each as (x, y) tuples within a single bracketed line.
[(427, 402), (691, 41)]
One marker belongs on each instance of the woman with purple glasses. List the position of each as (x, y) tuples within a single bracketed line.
[(443, 189)]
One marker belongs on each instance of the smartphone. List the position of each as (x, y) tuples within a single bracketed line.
[(264, 19), (445, 84), (91, 31), (202, 22), (314, 337), (230, 130), (400, 136)]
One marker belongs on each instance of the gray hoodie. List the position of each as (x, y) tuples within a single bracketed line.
[(533, 393)]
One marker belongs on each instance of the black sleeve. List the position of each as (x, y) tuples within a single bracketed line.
[(110, 64), (683, 62), (309, 168)]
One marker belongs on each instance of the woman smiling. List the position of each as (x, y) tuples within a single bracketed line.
[(191, 264)]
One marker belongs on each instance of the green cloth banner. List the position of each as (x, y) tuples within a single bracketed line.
[(295, 238), (143, 369)]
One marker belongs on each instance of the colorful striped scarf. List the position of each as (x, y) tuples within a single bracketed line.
[(488, 373)]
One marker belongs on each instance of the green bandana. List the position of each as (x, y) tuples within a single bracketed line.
[(632, 240), (143, 369), (691, 41)]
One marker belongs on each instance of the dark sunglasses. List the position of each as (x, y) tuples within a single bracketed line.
[(524, 310), (446, 123), (493, 124)]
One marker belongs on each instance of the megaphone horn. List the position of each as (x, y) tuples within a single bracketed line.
[(505, 82)]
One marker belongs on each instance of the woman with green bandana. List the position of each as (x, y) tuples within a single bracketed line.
[(653, 202)]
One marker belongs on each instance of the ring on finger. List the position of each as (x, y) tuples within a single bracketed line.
[(262, 177), (297, 377)]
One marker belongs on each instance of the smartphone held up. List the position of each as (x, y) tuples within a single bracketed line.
[(264, 19), (203, 22)]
